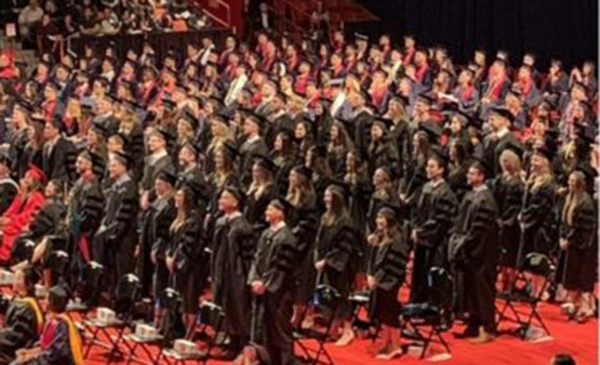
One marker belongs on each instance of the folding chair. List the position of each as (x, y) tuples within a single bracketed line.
[(360, 304), (127, 293), (329, 300), (171, 300), (436, 313), (91, 278), (209, 315), (522, 293)]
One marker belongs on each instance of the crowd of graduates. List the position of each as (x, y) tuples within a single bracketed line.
[(252, 173)]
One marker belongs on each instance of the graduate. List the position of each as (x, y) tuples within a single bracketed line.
[(59, 154), (22, 210), (85, 207), (577, 237), (270, 279), (233, 247), (24, 318), (335, 256), (114, 242), (387, 259), (60, 340), (8, 187), (186, 257), (432, 219)]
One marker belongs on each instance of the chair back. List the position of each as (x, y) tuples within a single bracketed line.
[(127, 294), (441, 291), (538, 264)]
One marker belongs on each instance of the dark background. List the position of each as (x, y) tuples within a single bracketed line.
[(565, 29)]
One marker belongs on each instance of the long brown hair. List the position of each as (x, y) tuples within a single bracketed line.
[(337, 210), (574, 198)]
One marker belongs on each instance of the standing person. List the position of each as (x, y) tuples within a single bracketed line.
[(115, 241), (578, 228), (432, 220), (272, 286), (388, 255), (233, 249), (508, 192), (185, 258), (8, 187), (334, 254), (476, 256)]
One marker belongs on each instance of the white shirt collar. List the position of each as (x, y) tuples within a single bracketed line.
[(277, 227)]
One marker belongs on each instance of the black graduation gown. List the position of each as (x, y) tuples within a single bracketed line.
[(8, 191), (494, 148), (17, 143), (233, 247), (387, 264), (399, 136), (195, 177), (379, 199), (153, 167), (336, 157), (362, 132), (250, 151), (154, 238), (303, 221), (477, 258), (59, 162), (20, 330), (336, 244), (85, 213), (187, 246), (254, 212), (508, 193), (115, 241), (538, 218), (272, 312), (432, 219), (579, 261), (457, 179), (384, 153)]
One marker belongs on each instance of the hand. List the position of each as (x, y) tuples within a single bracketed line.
[(402, 198), (564, 244), (320, 266), (145, 201), (371, 282), (372, 239), (258, 287), (415, 235), (136, 253), (153, 257), (170, 263)]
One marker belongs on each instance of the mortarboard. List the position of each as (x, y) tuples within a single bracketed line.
[(432, 130), (304, 171), (167, 177), (122, 158), (504, 113), (282, 205)]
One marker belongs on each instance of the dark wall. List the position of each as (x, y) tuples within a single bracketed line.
[(566, 29)]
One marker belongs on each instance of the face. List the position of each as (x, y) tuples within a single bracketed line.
[(227, 202), (155, 143), (49, 131), (382, 222), (19, 282), (328, 199), (278, 143), (300, 131), (496, 122), (379, 177), (219, 160), (376, 132), (179, 200), (114, 145), (82, 164), (185, 156), (537, 162), (455, 125), (257, 173), (433, 169), (161, 187), (573, 183), (116, 169), (249, 127), (51, 190), (273, 215), (474, 177)]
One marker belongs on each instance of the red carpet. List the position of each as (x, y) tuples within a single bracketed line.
[(578, 339)]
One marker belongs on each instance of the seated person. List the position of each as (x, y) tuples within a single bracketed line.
[(24, 319), (60, 340)]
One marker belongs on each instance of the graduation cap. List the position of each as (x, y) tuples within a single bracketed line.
[(167, 177), (256, 119), (25, 107), (319, 150), (361, 37), (36, 174), (438, 154), (545, 151), (58, 298), (130, 106), (515, 147), (432, 129), (504, 113), (282, 205), (480, 165), (266, 163), (235, 192), (425, 98), (100, 129), (58, 123), (123, 158), (585, 133), (231, 149), (150, 69), (339, 188), (53, 85), (169, 104), (304, 171), (390, 211), (111, 98), (171, 72), (5, 160), (384, 123), (339, 82), (191, 119)]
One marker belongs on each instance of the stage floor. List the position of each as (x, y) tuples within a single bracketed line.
[(578, 339)]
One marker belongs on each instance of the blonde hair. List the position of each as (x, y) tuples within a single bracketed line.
[(540, 178), (574, 198), (513, 164)]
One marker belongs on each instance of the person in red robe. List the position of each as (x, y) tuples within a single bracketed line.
[(7, 66), (22, 210)]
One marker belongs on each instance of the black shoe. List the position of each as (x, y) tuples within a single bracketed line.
[(469, 332)]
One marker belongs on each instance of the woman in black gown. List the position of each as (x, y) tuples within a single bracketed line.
[(577, 236)]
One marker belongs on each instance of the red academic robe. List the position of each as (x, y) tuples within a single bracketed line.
[(18, 216)]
